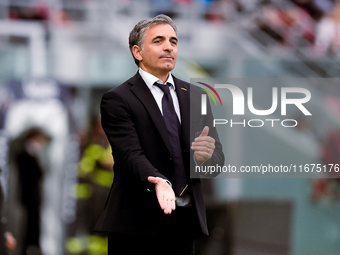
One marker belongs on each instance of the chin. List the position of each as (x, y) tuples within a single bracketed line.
[(169, 67)]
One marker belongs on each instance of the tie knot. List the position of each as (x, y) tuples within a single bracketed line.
[(164, 87)]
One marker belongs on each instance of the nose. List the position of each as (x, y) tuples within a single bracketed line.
[(168, 46)]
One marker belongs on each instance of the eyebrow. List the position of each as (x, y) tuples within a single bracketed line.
[(163, 37)]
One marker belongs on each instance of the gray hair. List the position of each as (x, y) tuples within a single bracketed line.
[(137, 34)]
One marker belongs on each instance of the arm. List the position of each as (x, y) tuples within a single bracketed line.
[(207, 146), (127, 151), (122, 135)]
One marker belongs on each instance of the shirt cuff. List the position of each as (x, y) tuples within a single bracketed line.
[(168, 182)]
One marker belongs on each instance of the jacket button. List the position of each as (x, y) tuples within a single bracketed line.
[(170, 159)]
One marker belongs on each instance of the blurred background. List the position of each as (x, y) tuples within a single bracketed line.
[(57, 58)]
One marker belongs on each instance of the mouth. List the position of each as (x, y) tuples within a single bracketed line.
[(167, 57)]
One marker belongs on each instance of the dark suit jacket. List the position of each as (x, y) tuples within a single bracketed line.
[(137, 133)]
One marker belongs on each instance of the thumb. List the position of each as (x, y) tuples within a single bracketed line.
[(205, 131), (153, 179)]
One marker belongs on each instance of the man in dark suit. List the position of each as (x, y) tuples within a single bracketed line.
[(154, 207)]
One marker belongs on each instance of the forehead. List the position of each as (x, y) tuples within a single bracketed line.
[(160, 30)]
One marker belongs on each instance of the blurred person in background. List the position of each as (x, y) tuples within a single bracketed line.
[(154, 207), (37, 12), (30, 177), (328, 189), (95, 168), (287, 25), (95, 177), (325, 5), (7, 241), (162, 6), (311, 7), (328, 33)]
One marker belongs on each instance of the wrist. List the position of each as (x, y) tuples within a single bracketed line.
[(168, 182)]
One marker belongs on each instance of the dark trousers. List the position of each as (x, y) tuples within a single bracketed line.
[(177, 237)]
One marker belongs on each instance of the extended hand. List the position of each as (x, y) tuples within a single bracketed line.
[(203, 146), (165, 194)]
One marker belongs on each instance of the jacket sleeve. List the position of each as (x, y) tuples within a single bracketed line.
[(198, 122), (122, 135), (218, 155)]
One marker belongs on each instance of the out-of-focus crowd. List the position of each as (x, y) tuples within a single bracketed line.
[(311, 24)]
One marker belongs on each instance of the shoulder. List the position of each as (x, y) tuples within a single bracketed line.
[(119, 96), (188, 86), (124, 88), (180, 82)]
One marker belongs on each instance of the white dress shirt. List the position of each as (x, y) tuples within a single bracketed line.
[(157, 93)]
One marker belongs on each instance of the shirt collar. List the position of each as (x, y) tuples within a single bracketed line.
[(150, 79)]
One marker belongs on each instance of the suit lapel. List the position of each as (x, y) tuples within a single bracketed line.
[(142, 92), (183, 94)]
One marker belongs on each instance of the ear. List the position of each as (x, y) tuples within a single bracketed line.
[(136, 51)]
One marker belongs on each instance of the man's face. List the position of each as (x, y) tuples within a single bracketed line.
[(160, 50)]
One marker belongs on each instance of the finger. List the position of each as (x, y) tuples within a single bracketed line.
[(167, 208), (173, 205), (169, 205), (205, 131), (199, 148), (206, 148), (205, 139), (165, 202), (203, 154), (203, 144)]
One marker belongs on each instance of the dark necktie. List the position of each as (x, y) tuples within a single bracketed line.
[(174, 131)]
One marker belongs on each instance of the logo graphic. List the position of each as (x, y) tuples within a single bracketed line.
[(287, 96), (208, 92), (204, 97)]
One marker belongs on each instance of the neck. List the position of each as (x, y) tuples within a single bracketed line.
[(162, 76)]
